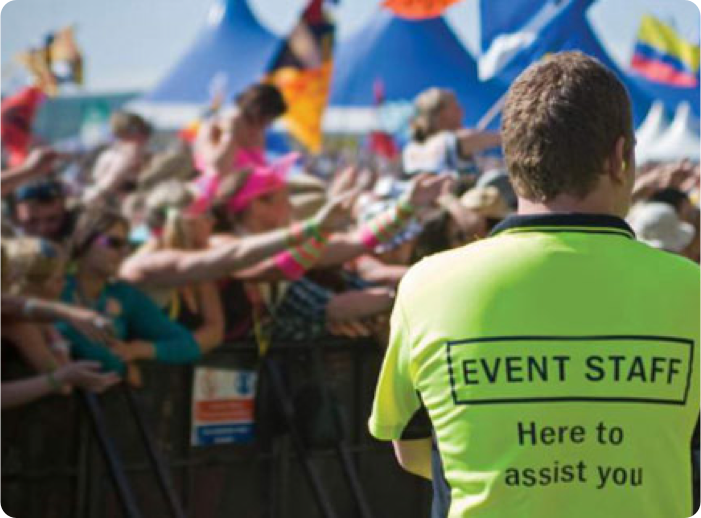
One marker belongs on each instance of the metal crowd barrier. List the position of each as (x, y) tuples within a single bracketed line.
[(54, 464)]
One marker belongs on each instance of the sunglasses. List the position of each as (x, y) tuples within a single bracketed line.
[(113, 242)]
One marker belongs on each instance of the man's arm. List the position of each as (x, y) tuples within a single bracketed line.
[(414, 456)]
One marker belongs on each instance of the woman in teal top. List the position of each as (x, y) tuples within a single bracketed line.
[(141, 331)]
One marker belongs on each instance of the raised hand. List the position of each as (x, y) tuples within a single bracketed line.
[(336, 215), (42, 160), (344, 181), (425, 189)]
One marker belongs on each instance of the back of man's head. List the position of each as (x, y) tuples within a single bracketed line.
[(561, 121)]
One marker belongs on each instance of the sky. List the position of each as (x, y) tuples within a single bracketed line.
[(130, 44)]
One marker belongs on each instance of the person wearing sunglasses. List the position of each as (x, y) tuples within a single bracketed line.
[(141, 331)]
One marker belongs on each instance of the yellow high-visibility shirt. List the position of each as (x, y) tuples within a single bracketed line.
[(558, 363)]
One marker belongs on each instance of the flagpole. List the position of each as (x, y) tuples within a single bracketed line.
[(492, 113)]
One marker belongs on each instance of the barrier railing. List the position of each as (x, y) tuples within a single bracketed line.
[(52, 464)]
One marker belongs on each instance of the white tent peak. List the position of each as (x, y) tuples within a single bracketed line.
[(681, 139), (654, 125)]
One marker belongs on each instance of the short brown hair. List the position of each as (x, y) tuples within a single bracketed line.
[(262, 100), (127, 124), (561, 120)]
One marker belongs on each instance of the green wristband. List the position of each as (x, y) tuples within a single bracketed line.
[(312, 229), (53, 382), (405, 207)]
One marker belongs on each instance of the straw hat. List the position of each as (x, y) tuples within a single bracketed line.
[(485, 201)]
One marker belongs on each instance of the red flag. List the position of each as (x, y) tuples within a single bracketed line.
[(382, 144), (18, 113), (418, 9)]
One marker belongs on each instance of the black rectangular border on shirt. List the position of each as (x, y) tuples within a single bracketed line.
[(650, 338)]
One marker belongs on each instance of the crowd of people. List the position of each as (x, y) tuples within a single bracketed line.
[(164, 254)]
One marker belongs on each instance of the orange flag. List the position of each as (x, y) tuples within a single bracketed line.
[(58, 61), (418, 9), (302, 72)]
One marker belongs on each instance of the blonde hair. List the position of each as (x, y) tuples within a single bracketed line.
[(427, 106), (29, 262), (164, 206)]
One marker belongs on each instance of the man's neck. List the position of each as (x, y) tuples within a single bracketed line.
[(592, 204)]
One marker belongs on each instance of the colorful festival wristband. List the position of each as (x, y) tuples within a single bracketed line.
[(295, 234), (386, 225), (294, 262)]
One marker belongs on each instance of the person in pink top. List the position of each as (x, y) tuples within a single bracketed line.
[(235, 139)]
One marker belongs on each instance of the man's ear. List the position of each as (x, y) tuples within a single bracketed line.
[(618, 162)]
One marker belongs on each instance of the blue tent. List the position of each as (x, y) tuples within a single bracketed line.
[(233, 46), (406, 57), (571, 30)]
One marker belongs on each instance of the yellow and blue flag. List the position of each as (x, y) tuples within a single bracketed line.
[(661, 55), (302, 71)]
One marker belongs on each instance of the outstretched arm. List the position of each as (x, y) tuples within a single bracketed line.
[(473, 141), (172, 268), (40, 161)]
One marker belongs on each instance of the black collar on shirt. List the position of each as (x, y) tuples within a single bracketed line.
[(566, 222)]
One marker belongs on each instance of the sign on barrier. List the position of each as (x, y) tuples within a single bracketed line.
[(222, 406)]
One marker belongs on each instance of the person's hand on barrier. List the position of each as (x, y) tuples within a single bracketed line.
[(133, 350), (425, 189), (95, 327), (133, 377), (86, 375)]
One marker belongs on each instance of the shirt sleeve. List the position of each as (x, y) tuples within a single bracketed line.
[(396, 399), (83, 348), (455, 160), (145, 321)]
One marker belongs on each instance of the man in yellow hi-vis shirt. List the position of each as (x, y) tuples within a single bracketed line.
[(556, 360)]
